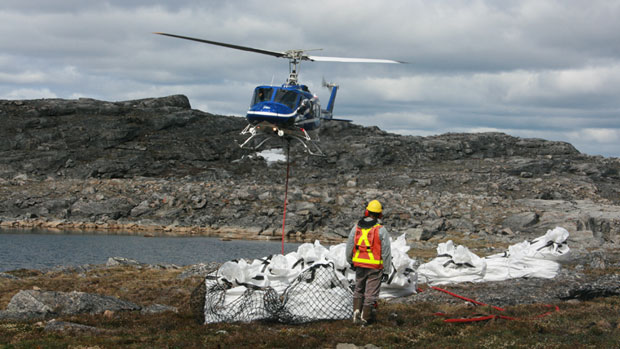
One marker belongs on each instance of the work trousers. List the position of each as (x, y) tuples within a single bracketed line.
[(367, 284)]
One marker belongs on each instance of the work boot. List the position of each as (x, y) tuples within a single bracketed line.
[(368, 314), (357, 309)]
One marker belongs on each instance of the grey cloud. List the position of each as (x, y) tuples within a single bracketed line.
[(524, 67)]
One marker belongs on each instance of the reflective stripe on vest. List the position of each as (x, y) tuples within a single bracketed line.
[(367, 246)]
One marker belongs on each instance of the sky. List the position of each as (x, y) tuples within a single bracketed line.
[(530, 68)]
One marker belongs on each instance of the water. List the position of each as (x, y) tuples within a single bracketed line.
[(40, 250)]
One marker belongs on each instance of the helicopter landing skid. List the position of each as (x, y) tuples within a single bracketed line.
[(265, 131)]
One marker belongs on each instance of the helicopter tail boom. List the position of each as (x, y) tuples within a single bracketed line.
[(332, 99), (329, 110)]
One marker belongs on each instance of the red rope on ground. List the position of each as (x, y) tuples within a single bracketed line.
[(464, 298), (473, 319), (487, 317)]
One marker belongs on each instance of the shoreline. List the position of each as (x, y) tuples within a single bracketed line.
[(153, 230)]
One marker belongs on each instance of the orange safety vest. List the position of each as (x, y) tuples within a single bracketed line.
[(367, 248)]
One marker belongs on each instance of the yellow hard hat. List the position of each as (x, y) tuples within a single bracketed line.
[(374, 206)]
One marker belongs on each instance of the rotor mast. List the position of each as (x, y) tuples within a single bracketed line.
[(294, 60)]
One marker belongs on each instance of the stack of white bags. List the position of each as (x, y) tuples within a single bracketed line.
[(279, 271), (538, 258), (316, 299), (453, 264)]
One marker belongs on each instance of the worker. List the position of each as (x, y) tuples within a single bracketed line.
[(369, 252)]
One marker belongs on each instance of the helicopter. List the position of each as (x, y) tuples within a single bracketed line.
[(289, 111)]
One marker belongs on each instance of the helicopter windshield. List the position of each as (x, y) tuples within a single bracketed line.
[(262, 94), (287, 97)]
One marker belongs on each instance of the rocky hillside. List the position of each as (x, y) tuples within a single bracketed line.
[(158, 165)]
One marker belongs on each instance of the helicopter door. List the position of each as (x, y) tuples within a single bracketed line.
[(262, 94), (316, 109)]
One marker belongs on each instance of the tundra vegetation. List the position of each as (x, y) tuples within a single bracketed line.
[(591, 323)]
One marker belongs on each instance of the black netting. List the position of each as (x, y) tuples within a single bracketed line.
[(316, 294), (223, 303)]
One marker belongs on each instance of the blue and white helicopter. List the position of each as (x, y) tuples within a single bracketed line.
[(288, 111)]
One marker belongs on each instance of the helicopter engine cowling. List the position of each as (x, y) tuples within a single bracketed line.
[(308, 114)]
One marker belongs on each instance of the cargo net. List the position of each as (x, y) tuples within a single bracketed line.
[(316, 294)]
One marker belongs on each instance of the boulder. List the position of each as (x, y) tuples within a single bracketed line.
[(51, 303), (604, 286), (8, 276), (122, 261), (114, 208), (413, 234), (142, 208), (521, 221)]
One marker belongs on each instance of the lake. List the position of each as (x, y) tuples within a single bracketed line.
[(41, 250)]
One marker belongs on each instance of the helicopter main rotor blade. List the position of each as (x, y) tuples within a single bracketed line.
[(293, 55), (237, 47), (353, 60)]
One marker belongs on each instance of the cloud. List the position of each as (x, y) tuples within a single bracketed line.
[(400, 121), (541, 88), (588, 140), (23, 77), (27, 93), (546, 68), (597, 135)]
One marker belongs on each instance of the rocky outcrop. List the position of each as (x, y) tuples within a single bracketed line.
[(38, 304), (87, 138), (44, 304), (157, 166)]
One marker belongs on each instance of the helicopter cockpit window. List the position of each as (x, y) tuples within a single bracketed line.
[(262, 94), (287, 97)]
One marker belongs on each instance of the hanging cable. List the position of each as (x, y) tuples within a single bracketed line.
[(288, 165)]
